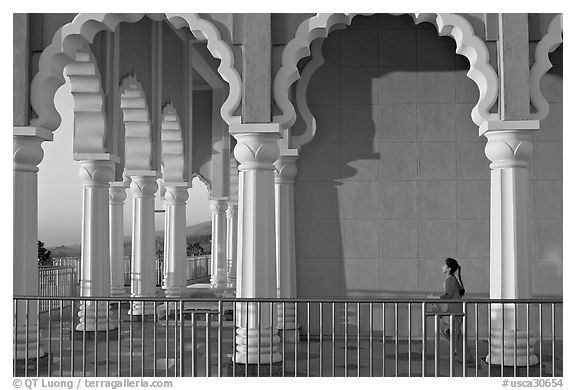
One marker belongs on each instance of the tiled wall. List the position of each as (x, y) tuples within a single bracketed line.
[(396, 178)]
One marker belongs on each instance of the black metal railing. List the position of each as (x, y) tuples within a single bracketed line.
[(58, 281), (329, 338)]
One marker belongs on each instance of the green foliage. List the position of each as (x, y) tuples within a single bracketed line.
[(44, 255)]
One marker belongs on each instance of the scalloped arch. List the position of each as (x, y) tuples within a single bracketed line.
[(138, 129), (81, 31), (319, 26), (542, 64), (172, 141), (89, 117), (205, 181)]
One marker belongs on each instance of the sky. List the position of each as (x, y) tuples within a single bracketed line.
[(60, 193)]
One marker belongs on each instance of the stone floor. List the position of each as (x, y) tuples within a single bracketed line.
[(163, 348)]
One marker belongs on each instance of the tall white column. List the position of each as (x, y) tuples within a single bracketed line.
[(95, 177), (285, 173), (509, 148), (256, 152), (218, 208), (143, 242), (27, 155), (175, 254), (117, 197), (165, 249), (232, 244)]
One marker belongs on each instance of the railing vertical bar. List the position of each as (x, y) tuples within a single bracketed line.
[(119, 358), (321, 323), (396, 337), (144, 304), (61, 334), (436, 346), (166, 336), (176, 316), (409, 339), (26, 324), (220, 308), (154, 363), (49, 368), (346, 339), (383, 339), (284, 338), (308, 339), (476, 338), (259, 319), (95, 337), (84, 339), (464, 330), (132, 306), (247, 327), (490, 339), (333, 339), (273, 311), (193, 337), (371, 347), (503, 343), (527, 339), (15, 335), (297, 336), (208, 367), (451, 345), (553, 339), (234, 339), (358, 339), (72, 337), (515, 339), (181, 316), (107, 338), (38, 337), (540, 334), (423, 314)]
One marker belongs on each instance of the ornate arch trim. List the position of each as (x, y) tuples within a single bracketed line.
[(542, 64), (89, 116), (172, 145), (319, 26), (138, 129), (81, 31)]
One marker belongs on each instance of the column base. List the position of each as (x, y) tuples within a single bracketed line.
[(95, 316), (262, 345), (34, 350), (254, 370), (521, 371), (502, 350), (141, 308), (176, 292)]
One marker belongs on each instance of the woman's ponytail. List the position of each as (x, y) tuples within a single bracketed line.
[(462, 289)]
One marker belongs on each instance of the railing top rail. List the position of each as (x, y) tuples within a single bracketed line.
[(304, 300), (55, 267)]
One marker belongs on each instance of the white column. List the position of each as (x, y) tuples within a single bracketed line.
[(117, 197), (232, 244), (509, 147), (256, 152), (285, 173), (27, 155), (166, 239), (95, 177), (218, 208), (175, 254), (143, 242)]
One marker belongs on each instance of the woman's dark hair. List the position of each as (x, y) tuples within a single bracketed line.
[(453, 265)]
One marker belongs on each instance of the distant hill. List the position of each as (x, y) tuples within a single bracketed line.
[(202, 228)]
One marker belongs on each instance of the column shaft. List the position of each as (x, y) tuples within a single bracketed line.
[(256, 151), (232, 244), (175, 255), (218, 208), (27, 155), (143, 242), (510, 151), (117, 198), (95, 253)]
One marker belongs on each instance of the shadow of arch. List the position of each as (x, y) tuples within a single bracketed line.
[(173, 167)]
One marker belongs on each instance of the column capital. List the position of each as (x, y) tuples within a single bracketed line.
[(176, 193), (96, 173), (509, 148), (286, 168), (117, 193), (218, 205), (256, 146), (27, 150), (143, 186), (232, 210)]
